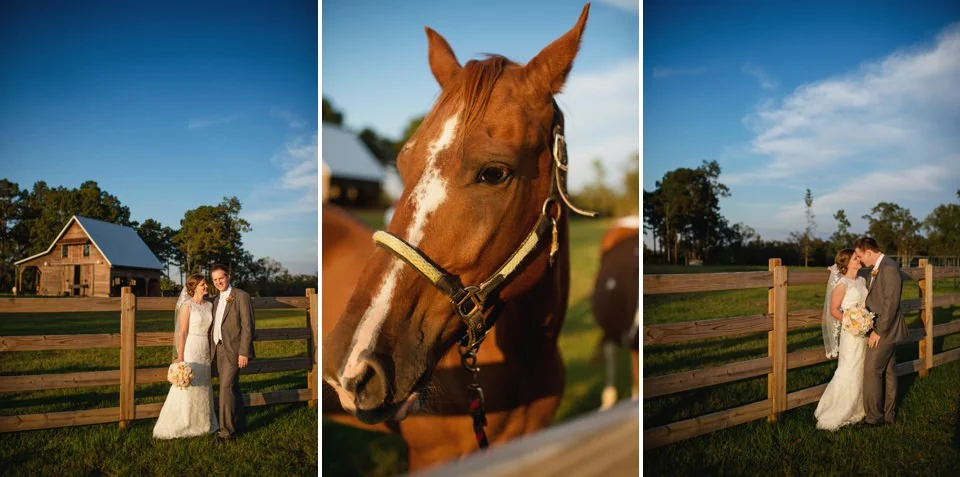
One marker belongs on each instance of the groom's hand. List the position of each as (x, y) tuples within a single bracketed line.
[(242, 362), (874, 340)]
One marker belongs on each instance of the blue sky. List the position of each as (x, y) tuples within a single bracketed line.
[(170, 106), (857, 101), (375, 66)]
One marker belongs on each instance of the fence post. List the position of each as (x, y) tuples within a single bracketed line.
[(128, 343), (926, 315), (312, 314), (772, 265)]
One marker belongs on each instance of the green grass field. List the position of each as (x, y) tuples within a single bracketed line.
[(281, 440), (924, 441), (348, 451)]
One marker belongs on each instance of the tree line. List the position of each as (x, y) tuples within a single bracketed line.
[(30, 220), (682, 215)]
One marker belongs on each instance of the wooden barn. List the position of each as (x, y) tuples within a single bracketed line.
[(355, 175), (94, 258)]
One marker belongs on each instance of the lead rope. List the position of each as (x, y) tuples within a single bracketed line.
[(478, 407)]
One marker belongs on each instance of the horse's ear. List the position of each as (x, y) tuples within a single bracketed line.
[(443, 63), (551, 66)]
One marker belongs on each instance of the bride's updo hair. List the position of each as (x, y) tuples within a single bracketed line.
[(843, 260), (192, 283)]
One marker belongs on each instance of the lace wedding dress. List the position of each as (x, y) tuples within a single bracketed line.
[(189, 412), (842, 402)]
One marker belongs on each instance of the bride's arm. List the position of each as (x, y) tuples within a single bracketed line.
[(184, 331), (835, 301)]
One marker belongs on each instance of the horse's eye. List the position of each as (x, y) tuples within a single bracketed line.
[(493, 175)]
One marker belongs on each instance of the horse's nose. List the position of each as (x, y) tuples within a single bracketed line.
[(367, 383)]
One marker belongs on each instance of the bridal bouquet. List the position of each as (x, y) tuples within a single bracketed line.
[(858, 320), (180, 374)]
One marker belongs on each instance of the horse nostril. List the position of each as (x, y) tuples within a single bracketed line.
[(368, 386)]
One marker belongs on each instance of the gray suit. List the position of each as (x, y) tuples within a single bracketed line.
[(879, 373), (236, 333)]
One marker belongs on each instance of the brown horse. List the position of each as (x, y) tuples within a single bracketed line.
[(483, 206), (615, 300)]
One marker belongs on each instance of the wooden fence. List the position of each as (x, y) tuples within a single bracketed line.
[(776, 321), (128, 375)]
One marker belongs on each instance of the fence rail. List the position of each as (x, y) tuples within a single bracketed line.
[(776, 321), (128, 375)]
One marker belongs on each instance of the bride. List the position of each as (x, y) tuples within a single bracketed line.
[(842, 402), (189, 411)]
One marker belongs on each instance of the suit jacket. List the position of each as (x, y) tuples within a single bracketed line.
[(884, 300), (237, 329)]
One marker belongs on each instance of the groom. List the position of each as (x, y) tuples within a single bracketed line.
[(231, 344), (883, 298)]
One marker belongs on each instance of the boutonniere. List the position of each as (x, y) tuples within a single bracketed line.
[(873, 273), (229, 298)]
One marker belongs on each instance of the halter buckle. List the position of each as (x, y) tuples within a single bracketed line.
[(469, 304)]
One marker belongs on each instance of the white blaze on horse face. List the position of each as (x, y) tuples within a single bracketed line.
[(427, 196), (431, 190)]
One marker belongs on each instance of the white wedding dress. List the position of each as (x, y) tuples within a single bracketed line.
[(842, 402), (189, 412)]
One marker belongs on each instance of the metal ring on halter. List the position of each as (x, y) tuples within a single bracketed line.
[(546, 204)]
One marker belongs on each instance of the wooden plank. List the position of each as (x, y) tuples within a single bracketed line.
[(277, 334), (274, 365), (913, 335), (779, 398), (148, 411), (276, 397), (59, 342), (51, 420), (772, 265), (152, 375), (677, 431), (313, 383), (597, 444), (909, 367), (946, 328), (805, 396), (701, 378), (814, 276), (913, 273), (128, 345), (914, 304), (946, 272), (802, 318), (58, 305), (946, 300), (701, 282), (155, 338), (806, 357), (665, 333), (36, 382), (84, 304), (946, 357), (926, 294)]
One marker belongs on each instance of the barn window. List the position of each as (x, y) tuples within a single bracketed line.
[(86, 250), (63, 251)]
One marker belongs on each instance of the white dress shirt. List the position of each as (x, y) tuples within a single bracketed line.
[(876, 268), (218, 321)]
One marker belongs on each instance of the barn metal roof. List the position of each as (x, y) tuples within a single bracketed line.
[(347, 156), (121, 246)]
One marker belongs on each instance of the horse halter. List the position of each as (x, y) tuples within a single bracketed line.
[(474, 303)]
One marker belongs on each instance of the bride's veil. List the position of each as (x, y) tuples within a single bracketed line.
[(830, 326), (184, 296)]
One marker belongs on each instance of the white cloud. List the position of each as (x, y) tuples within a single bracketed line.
[(766, 80), (884, 132), (601, 112), (628, 5), (298, 184), (661, 72), (208, 122), (293, 120)]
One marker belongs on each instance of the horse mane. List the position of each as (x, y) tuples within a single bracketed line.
[(476, 82)]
